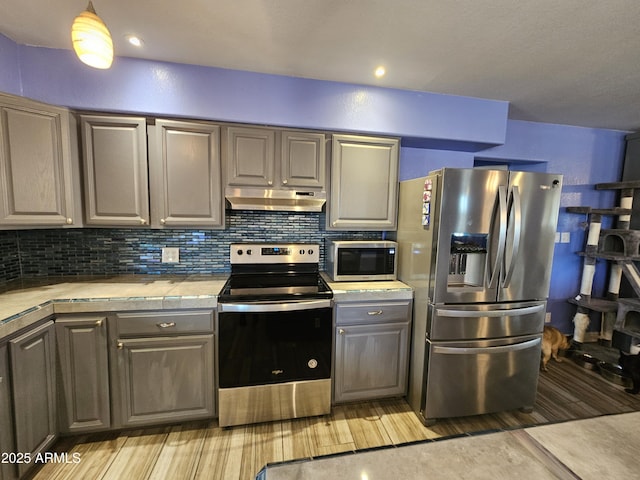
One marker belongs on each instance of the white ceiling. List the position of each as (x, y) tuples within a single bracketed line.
[(574, 62)]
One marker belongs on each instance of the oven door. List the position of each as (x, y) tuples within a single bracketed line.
[(274, 360)]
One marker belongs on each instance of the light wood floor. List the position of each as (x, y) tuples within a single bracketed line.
[(202, 450)]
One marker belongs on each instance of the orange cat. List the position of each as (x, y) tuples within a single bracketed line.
[(552, 341)]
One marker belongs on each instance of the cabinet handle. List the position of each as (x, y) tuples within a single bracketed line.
[(166, 324), (69, 221), (143, 221), (1, 379), (341, 331), (120, 345), (99, 323), (377, 312), (162, 221), (270, 182), (285, 181)]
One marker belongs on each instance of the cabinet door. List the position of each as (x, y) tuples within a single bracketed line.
[(34, 391), (364, 183), (164, 379), (186, 179), (115, 170), (250, 157), (83, 373), (371, 361), (303, 159), (7, 470), (36, 168)]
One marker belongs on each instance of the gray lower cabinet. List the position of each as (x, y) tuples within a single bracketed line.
[(163, 367), (364, 183), (33, 376), (7, 468), (114, 153), (185, 174), (371, 350), (83, 373), (39, 181)]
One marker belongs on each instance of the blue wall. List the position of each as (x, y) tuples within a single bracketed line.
[(9, 67), (226, 95), (436, 130)]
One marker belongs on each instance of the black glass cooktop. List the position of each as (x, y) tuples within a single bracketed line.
[(274, 287)]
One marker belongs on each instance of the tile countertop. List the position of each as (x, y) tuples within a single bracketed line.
[(369, 291), (28, 301), (593, 449)]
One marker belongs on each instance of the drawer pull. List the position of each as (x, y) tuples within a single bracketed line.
[(376, 312), (341, 331), (120, 345), (99, 323), (1, 379), (166, 324)]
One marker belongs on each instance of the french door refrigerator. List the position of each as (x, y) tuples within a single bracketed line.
[(476, 245)]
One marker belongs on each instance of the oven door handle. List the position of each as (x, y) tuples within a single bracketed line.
[(273, 306)]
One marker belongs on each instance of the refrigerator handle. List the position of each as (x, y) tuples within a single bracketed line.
[(517, 230), (480, 350), (490, 313), (502, 235)]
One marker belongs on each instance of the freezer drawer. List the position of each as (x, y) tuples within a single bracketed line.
[(484, 321), (471, 378)]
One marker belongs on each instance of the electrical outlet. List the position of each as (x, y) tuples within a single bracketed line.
[(170, 255), (547, 317), (557, 237), (565, 237)]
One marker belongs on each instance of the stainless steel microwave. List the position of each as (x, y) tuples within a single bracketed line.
[(361, 260)]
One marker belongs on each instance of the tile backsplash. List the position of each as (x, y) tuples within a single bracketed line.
[(9, 257), (119, 251)]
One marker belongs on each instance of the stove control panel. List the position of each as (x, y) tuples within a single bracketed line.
[(265, 253)]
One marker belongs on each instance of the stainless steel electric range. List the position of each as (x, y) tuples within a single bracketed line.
[(274, 335)]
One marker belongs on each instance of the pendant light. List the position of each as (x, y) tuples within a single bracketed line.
[(91, 39)]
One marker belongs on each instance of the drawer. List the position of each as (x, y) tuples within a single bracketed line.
[(375, 312), (164, 323)]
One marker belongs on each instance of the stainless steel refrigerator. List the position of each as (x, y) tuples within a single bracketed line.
[(476, 245)]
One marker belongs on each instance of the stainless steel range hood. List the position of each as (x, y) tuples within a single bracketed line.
[(277, 200)]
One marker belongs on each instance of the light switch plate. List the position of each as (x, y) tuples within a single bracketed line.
[(170, 255)]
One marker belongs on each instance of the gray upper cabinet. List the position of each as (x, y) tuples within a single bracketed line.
[(34, 391), (115, 170), (303, 159), (273, 158), (364, 183), (7, 469), (250, 156), (39, 180), (185, 174), (83, 373)]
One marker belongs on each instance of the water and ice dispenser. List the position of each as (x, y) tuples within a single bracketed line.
[(467, 260)]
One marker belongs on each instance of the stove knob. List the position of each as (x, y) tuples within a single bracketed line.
[(301, 252), (310, 251), (249, 252), (240, 252)]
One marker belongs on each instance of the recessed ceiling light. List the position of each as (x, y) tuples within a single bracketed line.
[(380, 71), (134, 40)]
